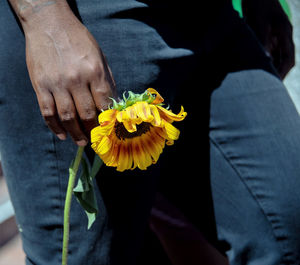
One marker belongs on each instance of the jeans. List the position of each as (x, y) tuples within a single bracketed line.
[(36, 165), (248, 114), (254, 146)]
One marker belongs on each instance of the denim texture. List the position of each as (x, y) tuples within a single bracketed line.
[(36, 165), (254, 139), (143, 51)]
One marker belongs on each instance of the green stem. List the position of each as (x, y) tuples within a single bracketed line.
[(72, 177)]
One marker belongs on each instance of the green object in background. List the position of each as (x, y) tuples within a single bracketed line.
[(286, 8), (237, 5)]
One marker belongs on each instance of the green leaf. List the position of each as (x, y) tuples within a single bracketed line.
[(85, 194), (96, 166), (83, 181), (91, 219)]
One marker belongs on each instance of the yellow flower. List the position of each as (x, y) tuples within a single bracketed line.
[(133, 133)]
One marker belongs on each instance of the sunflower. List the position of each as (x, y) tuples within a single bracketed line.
[(134, 131)]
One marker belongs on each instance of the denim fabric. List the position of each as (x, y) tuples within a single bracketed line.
[(36, 165), (254, 178), (142, 51), (255, 145)]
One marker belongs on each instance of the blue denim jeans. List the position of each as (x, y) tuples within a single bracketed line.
[(246, 196), (254, 146), (253, 178)]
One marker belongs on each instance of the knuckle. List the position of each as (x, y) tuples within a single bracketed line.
[(103, 92), (47, 113), (73, 78), (50, 81), (67, 116), (47, 110), (88, 115), (40, 85), (97, 69), (92, 68)]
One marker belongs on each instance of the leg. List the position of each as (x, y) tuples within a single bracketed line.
[(255, 145), (36, 166)]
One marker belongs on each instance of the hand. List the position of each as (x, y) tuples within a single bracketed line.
[(273, 28), (70, 76)]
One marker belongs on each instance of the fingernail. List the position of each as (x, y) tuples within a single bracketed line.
[(61, 136), (81, 142)]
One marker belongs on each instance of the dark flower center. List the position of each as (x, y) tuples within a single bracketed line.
[(122, 133)]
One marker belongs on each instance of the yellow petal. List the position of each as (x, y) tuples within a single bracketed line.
[(147, 159), (159, 140), (151, 146), (96, 134), (107, 115), (143, 111), (158, 97), (105, 128), (131, 113), (130, 126), (136, 153), (122, 116), (94, 146), (154, 111), (172, 132), (111, 158), (130, 158), (104, 145), (161, 133), (125, 159), (170, 116), (170, 142), (141, 159)]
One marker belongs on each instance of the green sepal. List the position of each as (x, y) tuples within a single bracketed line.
[(84, 191), (132, 99)]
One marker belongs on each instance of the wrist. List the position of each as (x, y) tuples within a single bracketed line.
[(43, 14)]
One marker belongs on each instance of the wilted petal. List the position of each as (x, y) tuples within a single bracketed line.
[(107, 115), (170, 116), (122, 116), (143, 111), (155, 113), (158, 98), (172, 132), (130, 126), (135, 134)]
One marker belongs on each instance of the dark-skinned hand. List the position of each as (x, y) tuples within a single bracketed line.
[(68, 71)]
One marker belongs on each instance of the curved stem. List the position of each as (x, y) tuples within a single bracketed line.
[(72, 177)]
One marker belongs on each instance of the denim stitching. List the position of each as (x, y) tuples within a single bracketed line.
[(61, 208), (286, 255)]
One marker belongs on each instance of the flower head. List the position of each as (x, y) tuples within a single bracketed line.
[(134, 131)]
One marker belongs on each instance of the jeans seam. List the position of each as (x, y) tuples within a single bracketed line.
[(61, 205), (253, 195)]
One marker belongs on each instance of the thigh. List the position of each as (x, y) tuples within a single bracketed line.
[(255, 146), (36, 165)]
